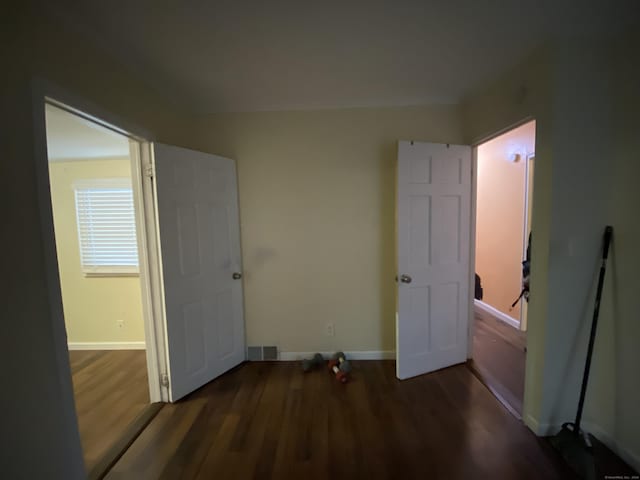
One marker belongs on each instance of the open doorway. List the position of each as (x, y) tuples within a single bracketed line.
[(183, 247), (97, 246), (503, 226)]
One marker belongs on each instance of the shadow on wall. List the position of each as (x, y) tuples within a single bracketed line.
[(577, 351), (611, 337), (261, 256)]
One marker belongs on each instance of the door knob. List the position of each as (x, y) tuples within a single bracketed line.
[(236, 275), (405, 278)]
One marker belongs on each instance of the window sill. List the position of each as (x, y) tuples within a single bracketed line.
[(110, 273)]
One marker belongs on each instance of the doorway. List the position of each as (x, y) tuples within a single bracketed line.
[(94, 218), (187, 233), (503, 226)]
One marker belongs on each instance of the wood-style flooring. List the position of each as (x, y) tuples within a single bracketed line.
[(271, 421), (499, 357), (111, 390)]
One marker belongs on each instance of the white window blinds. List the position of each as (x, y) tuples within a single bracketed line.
[(106, 227)]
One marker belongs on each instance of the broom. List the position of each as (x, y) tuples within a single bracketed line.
[(572, 443)]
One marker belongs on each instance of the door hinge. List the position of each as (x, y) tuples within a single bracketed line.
[(149, 171), (164, 380)]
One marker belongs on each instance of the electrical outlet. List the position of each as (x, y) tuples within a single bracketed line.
[(120, 323), (330, 330)]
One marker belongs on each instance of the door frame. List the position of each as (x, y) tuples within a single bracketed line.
[(474, 199), (528, 217), (43, 93)]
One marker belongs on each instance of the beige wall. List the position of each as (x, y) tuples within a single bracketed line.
[(92, 305), (620, 346), (500, 216), (317, 212)]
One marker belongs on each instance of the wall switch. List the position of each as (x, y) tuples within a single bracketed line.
[(120, 323), (330, 330)]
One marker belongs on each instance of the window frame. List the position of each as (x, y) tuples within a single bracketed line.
[(104, 270)]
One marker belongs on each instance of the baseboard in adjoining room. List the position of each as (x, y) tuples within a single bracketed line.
[(351, 355), (485, 307), (106, 345)]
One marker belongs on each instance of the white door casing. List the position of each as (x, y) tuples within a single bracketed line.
[(199, 228), (433, 229)]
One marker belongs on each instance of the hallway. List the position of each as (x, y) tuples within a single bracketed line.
[(499, 356)]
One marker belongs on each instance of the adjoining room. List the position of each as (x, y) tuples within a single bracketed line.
[(503, 226), (97, 253)]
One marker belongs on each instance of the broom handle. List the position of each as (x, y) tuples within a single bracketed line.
[(594, 324)]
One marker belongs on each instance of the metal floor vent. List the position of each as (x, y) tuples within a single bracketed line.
[(256, 354), (269, 353)]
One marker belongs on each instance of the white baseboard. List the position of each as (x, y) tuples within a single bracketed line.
[(548, 429), (531, 423), (540, 429), (106, 345), (351, 355), (497, 313)]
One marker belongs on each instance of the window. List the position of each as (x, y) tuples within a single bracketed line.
[(106, 227)]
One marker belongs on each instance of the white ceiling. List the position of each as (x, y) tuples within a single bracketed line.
[(70, 137), (241, 55)]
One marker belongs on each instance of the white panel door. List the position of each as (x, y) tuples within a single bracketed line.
[(433, 225), (200, 248)]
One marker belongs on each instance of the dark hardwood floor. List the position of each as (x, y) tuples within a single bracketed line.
[(269, 420), (499, 357), (111, 390)]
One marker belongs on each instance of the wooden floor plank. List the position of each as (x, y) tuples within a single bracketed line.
[(154, 448), (111, 390), (124, 441), (270, 420), (499, 358)]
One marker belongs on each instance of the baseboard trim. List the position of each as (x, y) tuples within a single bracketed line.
[(540, 429), (548, 429), (496, 313), (625, 454), (106, 345), (352, 355)]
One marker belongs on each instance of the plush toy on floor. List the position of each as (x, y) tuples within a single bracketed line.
[(340, 366), (315, 362)]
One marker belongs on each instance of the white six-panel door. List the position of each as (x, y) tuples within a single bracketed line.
[(433, 225), (200, 249)]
